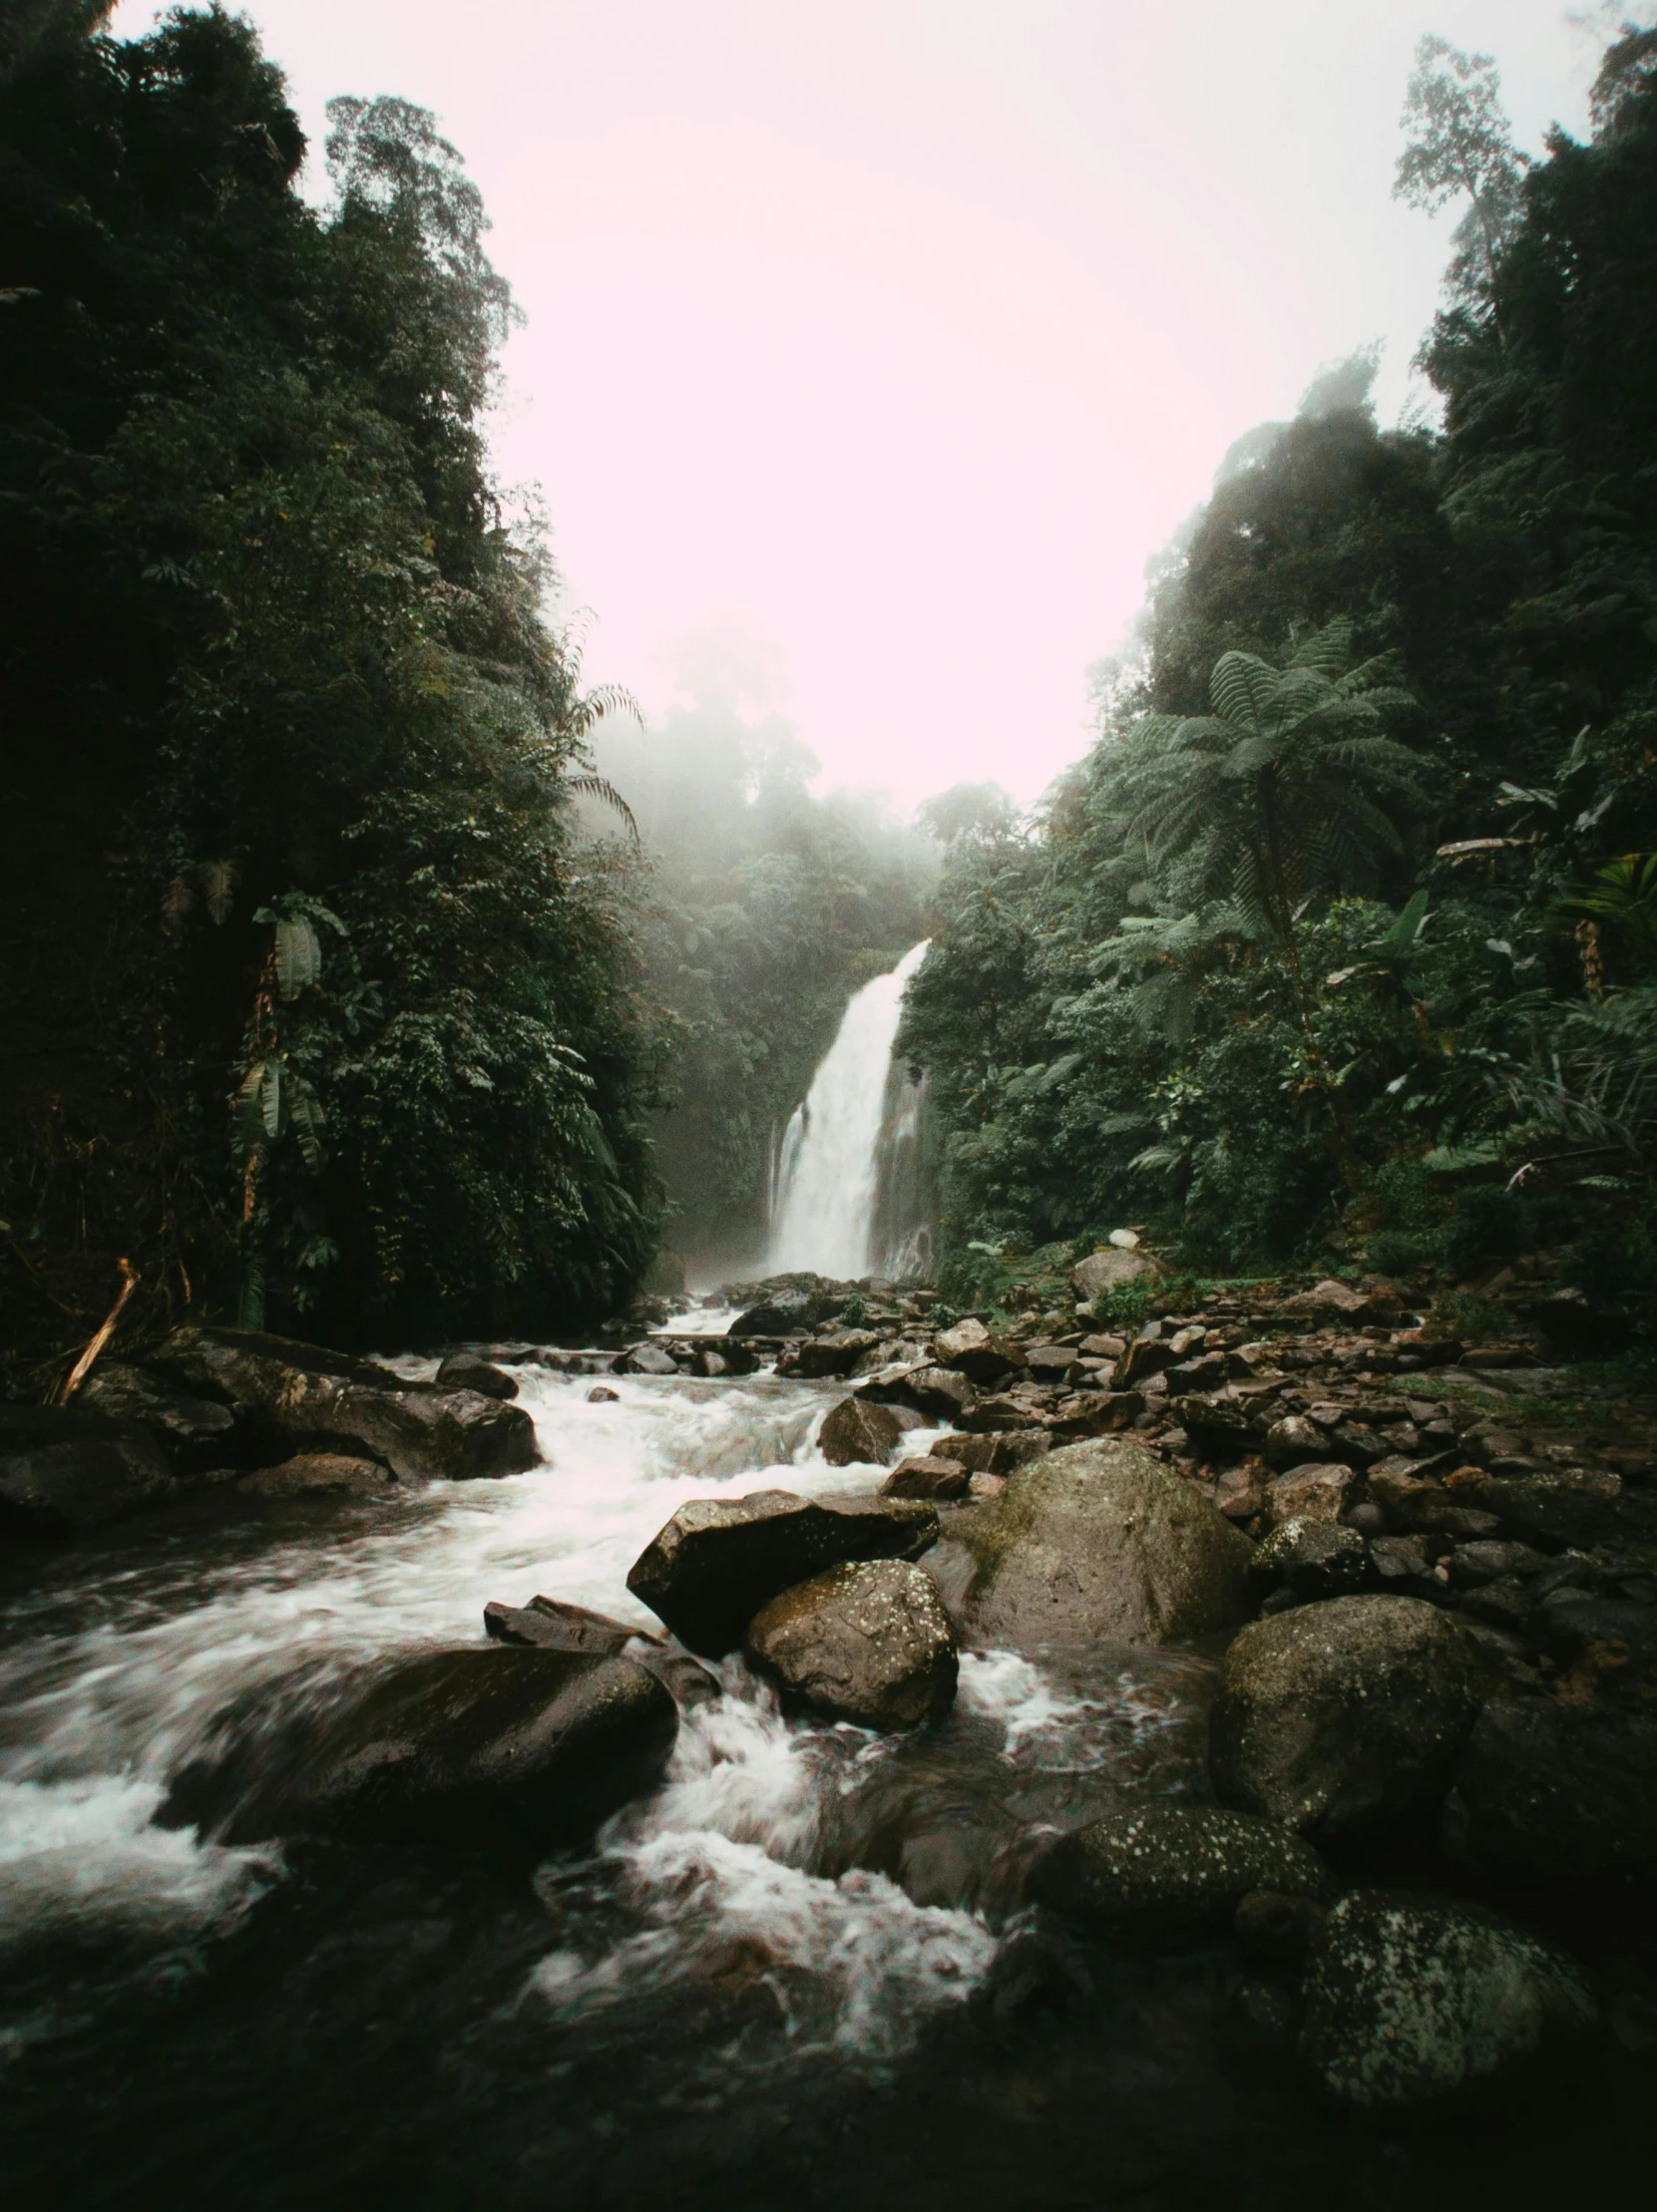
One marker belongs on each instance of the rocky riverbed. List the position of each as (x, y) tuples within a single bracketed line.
[(1108, 1765)]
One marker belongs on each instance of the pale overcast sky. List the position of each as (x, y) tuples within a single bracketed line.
[(873, 345)]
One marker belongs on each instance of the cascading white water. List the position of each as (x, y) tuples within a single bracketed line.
[(823, 1215)]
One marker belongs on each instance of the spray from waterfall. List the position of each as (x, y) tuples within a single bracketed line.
[(848, 1164)]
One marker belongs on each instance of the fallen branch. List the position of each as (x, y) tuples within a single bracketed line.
[(83, 1366)]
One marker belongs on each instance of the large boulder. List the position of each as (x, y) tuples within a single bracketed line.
[(1339, 1717), (469, 1370), (1174, 1873), (63, 1471), (319, 1475), (1097, 1543), (195, 1433), (292, 1397), (970, 1348), (1413, 2002), (867, 1641), (860, 1433), (786, 1312), (1559, 1799), (718, 1560), (1110, 1271), (487, 1750)]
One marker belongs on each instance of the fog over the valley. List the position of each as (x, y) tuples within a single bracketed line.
[(871, 350)]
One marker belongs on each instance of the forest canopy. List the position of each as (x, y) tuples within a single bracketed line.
[(1341, 941), (319, 1010)]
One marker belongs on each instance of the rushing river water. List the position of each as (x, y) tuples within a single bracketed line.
[(792, 1976)]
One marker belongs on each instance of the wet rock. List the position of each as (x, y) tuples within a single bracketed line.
[(554, 1625), (728, 1358), (1101, 1271), (193, 1433), (860, 1433), (292, 1397), (1275, 1931), (319, 1475), (1171, 1874), (644, 1359), (1036, 1968), (863, 1641), (1413, 2002), (1315, 1493), (485, 1749), (1346, 1718), (719, 1560), (938, 1393), (786, 1314), (601, 1394), (926, 1478), (1557, 1798), (469, 1370), (63, 1471), (1313, 1558), (1098, 1543)]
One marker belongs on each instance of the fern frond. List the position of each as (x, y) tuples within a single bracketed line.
[(588, 785)]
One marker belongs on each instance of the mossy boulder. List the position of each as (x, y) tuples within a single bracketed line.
[(865, 1641), (1098, 1543), (1171, 1874)]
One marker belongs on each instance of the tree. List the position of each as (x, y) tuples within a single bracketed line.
[(1461, 147)]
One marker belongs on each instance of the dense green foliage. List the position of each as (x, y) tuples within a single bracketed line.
[(1271, 979), (318, 1004), (761, 908)]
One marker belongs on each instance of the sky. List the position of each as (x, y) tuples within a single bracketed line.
[(873, 346)]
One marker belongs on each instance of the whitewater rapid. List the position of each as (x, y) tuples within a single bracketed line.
[(115, 1665)]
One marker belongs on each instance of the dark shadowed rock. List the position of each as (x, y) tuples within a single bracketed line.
[(1171, 1874), (1412, 2002), (469, 1370), (63, 1471), (1314, 1559), (319, 1475), (867, 1641), (503, 1749), (1559, 1800), (552, 1625), (859, 1433), (1341, 1717), (718, 1560), (788, 1313), (997, 1453), (291, 1398), (926, 1478), (193, 1433), (1098, 1543)]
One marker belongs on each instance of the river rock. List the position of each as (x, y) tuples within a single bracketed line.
[(554, 1625), (718, 1560), (1413, 2002), (865, 1641), (644, 1359), (485, 1749), (193, 1433), (1110, 1271), (860, 1433), (319, 1475), (1174, 1873), (1558, 1799), (292, 1398), (786, 1314), (63, 1471), (1098, 1543), (927, 1477), (997, 1453), (1317, 1491), (970, 1348), (469, 1370), (1311, 1557), (1341, 1717)]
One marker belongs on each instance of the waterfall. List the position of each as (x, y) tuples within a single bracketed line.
[(860, 1117)]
